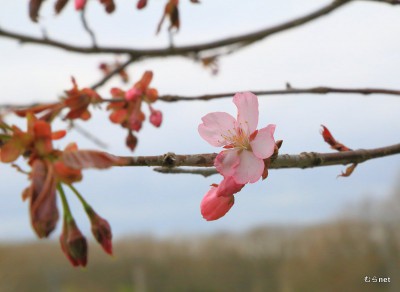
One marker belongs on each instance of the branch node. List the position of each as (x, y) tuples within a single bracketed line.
[(169, 160)]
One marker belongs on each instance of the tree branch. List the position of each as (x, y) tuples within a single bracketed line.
[(288, 91), (206, 172), (237, 41), (302, 160), (173, 98)]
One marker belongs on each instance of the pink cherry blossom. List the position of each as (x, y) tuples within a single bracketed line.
[(213, 206), (246, 147), (80, 4)]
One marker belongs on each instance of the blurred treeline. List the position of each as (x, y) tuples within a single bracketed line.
[(331, 256)]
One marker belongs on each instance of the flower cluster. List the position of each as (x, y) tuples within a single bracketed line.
[(128, 112), (246, 155), (48, 173)]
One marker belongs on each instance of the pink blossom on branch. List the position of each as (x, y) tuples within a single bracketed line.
[(246, 147), (244, 160)]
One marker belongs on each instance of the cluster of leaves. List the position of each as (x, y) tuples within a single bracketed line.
[(171, 9), (126, 106), (49, 170)]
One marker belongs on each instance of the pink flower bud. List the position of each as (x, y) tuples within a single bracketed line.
[(228, 187), (156, 117), (133, 94), (73, 243), (80, 4), (141, 4), (101, 231), (213, 206)]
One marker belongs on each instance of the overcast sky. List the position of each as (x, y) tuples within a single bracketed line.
[(356, 46)]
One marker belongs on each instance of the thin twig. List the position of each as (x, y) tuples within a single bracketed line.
[(87, 28), (118, 69)]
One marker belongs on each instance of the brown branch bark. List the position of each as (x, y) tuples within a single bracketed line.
[(173, 98), (237, 41), (206, 172), (290, 90), (302, 160)]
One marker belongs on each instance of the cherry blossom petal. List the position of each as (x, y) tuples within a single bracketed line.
[(250, 168), (226, 162), (247, 105), (228, 187), (216, 127), (263, 144), (214, 207)]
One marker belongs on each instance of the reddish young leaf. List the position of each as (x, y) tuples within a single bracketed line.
[(64, 173), (53, 108), (43, 207), (108, 5), (326, 134), (10, 151), (89, 159), (34, 7), (58, 134), (59, 6), (349, 170), (170, 10), (78, 101)]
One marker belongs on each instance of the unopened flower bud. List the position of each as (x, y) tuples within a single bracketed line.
[(156, 117), (213, 206), (80, 4), (73, 243), (141, 4), (131, 141), (101, 230), (228, 187), (133, 94)]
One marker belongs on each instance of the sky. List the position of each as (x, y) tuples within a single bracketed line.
[(356, 46)]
